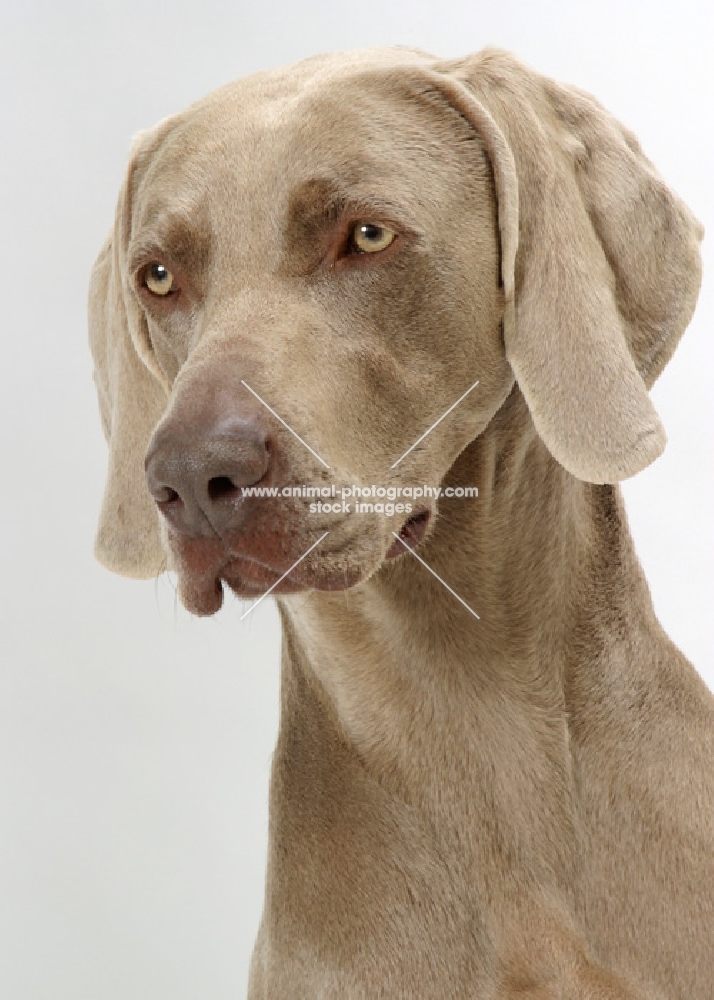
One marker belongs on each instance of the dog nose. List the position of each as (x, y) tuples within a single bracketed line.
[(196, 475)]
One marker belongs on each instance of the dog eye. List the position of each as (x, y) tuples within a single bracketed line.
[(366, 237), (158, 279)]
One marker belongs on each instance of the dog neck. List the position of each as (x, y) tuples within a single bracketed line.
[(406, 672)]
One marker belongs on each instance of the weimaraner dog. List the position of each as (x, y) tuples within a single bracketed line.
[(494, 775)]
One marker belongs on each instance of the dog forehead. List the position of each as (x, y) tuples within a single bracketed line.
[(269, 91), (249, 146), (262, 123)]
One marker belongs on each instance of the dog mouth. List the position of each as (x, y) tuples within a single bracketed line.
[(412, 532), (206, 567)]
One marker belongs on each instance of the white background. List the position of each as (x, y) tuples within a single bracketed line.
[(135, 741)]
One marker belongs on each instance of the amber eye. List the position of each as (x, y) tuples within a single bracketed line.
[(367, 237), (158, 279)]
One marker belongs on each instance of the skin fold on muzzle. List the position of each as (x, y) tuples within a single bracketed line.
[(382, 271)]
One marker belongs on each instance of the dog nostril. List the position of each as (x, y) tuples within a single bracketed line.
[(164, 494), (221, 488)]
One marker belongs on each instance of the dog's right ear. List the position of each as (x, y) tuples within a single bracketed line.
[(132, 397)]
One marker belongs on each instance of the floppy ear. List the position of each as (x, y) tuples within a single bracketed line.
[(600, 262), (132, 398)]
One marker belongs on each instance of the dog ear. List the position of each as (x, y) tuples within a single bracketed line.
[(600, 262), (132, 398)]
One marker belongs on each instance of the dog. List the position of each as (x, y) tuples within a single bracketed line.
[(494, 774)]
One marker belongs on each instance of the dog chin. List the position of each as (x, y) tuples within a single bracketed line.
[(202, 594)]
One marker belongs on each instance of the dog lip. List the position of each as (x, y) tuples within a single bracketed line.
[(241, 566), (244, 558), (410, 534), (260, 578), (201, 597)]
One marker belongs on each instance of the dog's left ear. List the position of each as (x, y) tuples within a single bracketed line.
[(600, 262), (132, 393)]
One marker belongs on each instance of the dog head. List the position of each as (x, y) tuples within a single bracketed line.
[(311, 266)]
